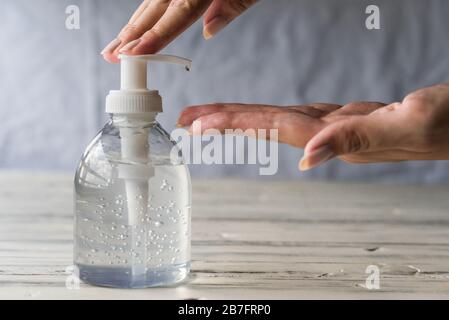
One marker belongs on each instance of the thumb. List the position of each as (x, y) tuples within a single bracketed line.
[(221, 12), (356, 134)]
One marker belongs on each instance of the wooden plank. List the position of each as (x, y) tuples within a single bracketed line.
[(270, 239)]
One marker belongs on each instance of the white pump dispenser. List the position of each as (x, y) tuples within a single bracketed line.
[(135, 100), (132, 199)]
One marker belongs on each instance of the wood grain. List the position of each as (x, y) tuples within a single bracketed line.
[(251, 240)]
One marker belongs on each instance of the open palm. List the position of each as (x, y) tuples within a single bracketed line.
[(360, 132)]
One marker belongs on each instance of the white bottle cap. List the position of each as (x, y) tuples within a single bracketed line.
[(134, 96)]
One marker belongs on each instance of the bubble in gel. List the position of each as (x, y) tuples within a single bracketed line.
[(158, 224), (122, 236)]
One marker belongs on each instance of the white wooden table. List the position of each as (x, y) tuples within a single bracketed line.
[(251, 240)]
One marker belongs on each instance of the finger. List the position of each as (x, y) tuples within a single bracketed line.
[(374, 157), (142, 20), (392, 155), (325, 107), (179, 15), (358, 108), (292, 128), (189, 114), (107, 52), (220, 13), (139, 11), (354, 135), (316, 110)]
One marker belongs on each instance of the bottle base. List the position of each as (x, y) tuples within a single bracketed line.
[(126, 277)]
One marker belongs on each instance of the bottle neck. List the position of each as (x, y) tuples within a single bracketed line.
[(133, 119)]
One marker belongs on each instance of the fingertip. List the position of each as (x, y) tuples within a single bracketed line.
[(206, 34), (191, 113), (109, 52), (110, 57), (181, 122), (214, 26), (183, 117), (303, 164), (316, 157)]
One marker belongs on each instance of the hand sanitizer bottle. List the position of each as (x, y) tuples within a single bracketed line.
[(132, 192)]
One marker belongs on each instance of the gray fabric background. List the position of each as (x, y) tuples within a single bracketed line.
[(53, 81)]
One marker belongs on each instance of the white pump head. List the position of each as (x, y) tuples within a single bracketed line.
[(134, 96)]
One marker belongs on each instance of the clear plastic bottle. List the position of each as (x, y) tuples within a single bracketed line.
[(132, 201), (156, 249)]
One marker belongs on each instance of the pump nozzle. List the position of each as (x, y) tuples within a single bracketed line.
[(134, 69)]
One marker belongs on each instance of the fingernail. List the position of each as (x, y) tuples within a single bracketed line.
[(213, 27), (316, 157), (111, 46), (131, 45)]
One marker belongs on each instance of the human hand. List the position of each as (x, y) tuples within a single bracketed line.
[(157, 22), (360, 132)]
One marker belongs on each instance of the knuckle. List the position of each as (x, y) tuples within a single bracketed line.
[(393, 106), (188, 5), (128, 31), (353, 140)]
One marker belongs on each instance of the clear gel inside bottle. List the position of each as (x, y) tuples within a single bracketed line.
[(132, 215)]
